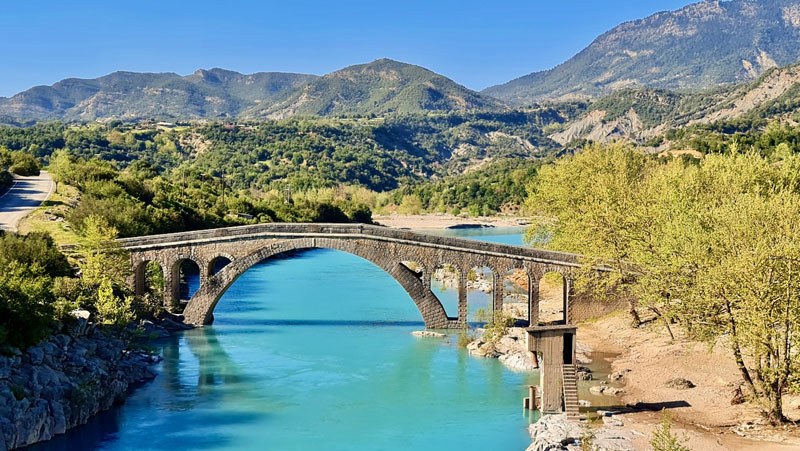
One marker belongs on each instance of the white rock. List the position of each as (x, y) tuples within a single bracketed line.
[(428, 333), (80, 314)]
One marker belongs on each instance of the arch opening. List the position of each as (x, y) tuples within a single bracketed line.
[(188, 273), (515, 294), (200, 308), (553, 298), (444, 285), (480, 287), (217, 264)]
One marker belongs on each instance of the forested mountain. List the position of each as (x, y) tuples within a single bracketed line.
[(702, 45), (130, 95), (379, 87), (382, 86)]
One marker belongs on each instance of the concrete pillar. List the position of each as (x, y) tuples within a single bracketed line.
[(533, 299), (462, 297)]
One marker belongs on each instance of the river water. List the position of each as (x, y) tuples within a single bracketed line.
[(315, 352)]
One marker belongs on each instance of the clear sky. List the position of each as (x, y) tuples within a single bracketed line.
[(476, 43)]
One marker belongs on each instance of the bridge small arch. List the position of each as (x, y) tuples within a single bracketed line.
[(444, 284), (185, 279), (480, 292), (553, 298), (148, 277), (516, 294), (217, 263)]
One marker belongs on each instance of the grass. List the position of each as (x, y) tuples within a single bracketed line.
[(58, 205)]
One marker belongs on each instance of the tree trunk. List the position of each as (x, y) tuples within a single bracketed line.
[(775, 413), (636, 321), (737, 353)]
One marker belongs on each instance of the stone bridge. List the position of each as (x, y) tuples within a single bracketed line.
[(409, 257)]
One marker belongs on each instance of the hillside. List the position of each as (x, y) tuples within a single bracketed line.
[(382, 86), (130, 95), (642, 114), (379, 87), (702, 45)]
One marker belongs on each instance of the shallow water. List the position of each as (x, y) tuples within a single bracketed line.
[(315, 352)]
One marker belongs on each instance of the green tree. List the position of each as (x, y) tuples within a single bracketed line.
[(101, 256), (595, 199)]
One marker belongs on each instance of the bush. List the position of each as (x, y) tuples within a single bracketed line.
[(24, 164), (5, 181), (26, 304), (664, 440)]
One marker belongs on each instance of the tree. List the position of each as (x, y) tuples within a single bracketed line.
[(713, 246), (595, 200), (101, 256)]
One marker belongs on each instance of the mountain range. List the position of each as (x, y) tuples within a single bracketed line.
[(701, 46), (379, 87)]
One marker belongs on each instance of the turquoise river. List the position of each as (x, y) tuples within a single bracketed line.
[(315, 352)]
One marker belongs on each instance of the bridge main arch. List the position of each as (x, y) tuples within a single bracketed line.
[(200, 308)]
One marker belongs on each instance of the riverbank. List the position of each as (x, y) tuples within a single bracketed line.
[(444, 221), (699, 389), (64, 381)]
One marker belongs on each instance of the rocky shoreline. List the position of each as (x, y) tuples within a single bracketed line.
[(67, 379)]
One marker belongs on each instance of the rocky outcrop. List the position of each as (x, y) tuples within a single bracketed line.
[(511, 350), (64, 381), (555, 432)]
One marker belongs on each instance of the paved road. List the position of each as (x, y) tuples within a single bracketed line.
[(25, 195)]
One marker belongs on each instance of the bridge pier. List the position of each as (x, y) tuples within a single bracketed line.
[(463, 308)]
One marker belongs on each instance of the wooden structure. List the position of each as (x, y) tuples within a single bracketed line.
[(554, 346)]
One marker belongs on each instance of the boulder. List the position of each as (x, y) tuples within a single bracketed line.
[(518, 361), (553, 432)]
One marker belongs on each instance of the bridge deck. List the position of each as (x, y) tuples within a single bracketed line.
[(349, 231)]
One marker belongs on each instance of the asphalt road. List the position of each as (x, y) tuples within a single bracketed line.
[(25, 195)]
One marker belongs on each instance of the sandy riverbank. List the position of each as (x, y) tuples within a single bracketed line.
[(704, 413), (443, 221)]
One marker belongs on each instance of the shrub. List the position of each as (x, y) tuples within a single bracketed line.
[(664, 440)]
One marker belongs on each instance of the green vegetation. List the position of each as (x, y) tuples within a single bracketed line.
[(663, 439), (712, 245), (19, 163), (39, 286), (304, 153), (140, 201), (497, 187)]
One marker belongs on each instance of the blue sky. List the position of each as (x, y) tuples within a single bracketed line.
[(476, 43)]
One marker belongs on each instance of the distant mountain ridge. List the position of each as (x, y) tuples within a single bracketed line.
[(381, 86), (702, 45), (133, 95)]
